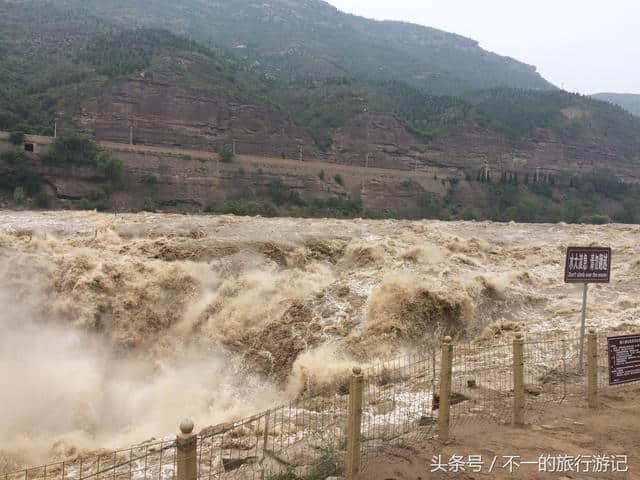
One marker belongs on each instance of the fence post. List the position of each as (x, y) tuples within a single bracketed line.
[(186, 446), (592, 369), (354, 424), (518, 380), (445, 389)]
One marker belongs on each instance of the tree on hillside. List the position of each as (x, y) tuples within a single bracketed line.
[(16, 138), (72, 148), (226, 154)]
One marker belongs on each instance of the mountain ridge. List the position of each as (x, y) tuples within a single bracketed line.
[(629, 101), (306, 37), (79, 63)]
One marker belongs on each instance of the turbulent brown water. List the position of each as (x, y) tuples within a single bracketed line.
[(114, 328)]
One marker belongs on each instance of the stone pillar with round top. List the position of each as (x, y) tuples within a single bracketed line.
[(186, 458)]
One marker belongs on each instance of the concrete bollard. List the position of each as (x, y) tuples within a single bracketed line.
[(592, 369), (518, 380), (445, 389), (354, 425), (186, 458)]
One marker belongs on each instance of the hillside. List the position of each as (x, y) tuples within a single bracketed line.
[(629, 101), (71, 172), (174, 80), (325, 67), (288, 41), (301, 54), (70, 66)]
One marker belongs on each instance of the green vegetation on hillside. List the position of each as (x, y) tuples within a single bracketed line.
[(41, 81), (321, 106), (279, 199), (112, 54), (518, 113), (21, 175), (324, 106), (329, 68), (226, 153), (36, 73), (323, 68), (74, 149), (16, 171), (629, 101), (16, 138), (553, 198), (512, 197), (425, 115), (294, 41)]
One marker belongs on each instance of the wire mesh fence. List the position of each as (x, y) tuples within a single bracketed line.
[(553, 371), (481, 383), (149, 461), (397, 405), (298, 439), (308, 438)]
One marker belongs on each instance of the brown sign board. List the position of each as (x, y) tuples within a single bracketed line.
[(588, 265), (624, 359)]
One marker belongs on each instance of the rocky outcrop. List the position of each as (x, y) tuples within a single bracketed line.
[(164, 114), (387, 144)]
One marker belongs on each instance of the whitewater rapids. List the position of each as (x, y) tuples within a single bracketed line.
[(115, 327)]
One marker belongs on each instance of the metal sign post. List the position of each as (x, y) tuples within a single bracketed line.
[(586, 265), (582, 326)]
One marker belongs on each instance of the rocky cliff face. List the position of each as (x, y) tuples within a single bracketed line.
[(186, 180), (388, 145), (193, 180), (162, 113)]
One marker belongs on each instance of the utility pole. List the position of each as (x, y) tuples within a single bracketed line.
[(366, 166), (366, 155), (368, 146), (55, 129)]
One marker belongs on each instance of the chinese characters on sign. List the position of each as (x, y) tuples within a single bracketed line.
[(544, 463), (588, 265), (624, 359)]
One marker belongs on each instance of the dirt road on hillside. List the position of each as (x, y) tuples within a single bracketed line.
[(248, 159)]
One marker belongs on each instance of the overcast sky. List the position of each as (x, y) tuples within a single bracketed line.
[(585, 46)]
